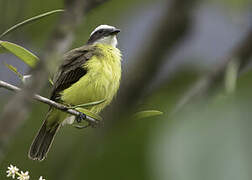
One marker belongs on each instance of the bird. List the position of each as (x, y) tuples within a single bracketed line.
[(86, 74)]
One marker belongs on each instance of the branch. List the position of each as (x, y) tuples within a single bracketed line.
[(206, 85), (48, 101)]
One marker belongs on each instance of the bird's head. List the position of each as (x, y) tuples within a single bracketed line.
[(104, 34)]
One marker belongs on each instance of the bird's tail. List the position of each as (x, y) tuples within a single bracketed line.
[(42, 142)]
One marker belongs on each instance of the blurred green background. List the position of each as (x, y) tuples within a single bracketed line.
[(207, 140)]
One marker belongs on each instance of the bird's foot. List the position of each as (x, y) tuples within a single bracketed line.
[(81, 117)]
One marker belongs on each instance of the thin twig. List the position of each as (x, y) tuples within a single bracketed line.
[(35, 18), (47, 101)]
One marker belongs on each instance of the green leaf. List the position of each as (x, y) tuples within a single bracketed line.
[(28, 21), (14, 69), (29, 58), (89, 104), (146, 114)]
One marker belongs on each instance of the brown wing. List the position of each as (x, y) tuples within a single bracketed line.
[(71, 70)]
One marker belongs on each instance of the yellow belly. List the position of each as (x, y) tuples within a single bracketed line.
[(101, 81)]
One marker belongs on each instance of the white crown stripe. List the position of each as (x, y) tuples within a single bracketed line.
[(104, 26)]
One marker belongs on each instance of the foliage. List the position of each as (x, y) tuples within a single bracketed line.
[(28, 21), (26, 56), (146, 114)]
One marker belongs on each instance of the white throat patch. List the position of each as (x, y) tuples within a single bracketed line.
[(110, 40)]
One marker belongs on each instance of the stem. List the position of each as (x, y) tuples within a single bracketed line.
[(47, 101)]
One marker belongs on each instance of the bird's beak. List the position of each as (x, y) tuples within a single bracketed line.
[(115, 31)]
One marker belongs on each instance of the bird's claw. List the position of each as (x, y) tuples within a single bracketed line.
[(81, 117)]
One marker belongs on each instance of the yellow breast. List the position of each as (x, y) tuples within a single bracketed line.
[(101, 81)]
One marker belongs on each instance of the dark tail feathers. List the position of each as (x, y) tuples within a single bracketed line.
[(42, 142)]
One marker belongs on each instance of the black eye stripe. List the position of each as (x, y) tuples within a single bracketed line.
[(104, 31), (100, 31)]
